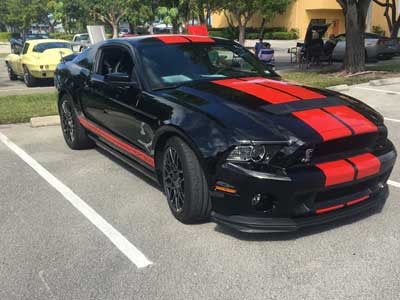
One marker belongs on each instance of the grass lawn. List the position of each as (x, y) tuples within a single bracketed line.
[(323, 80), (328, 76), (19, 109)]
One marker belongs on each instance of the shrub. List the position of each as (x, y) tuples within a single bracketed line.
[(378, 30), (284, 35), (5, 36), (61, 36)]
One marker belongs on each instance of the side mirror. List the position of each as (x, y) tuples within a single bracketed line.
[(117, 77)]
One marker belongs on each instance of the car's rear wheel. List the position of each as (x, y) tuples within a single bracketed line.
[(11, 75), (74, 133), (184, 183), (29, 80)]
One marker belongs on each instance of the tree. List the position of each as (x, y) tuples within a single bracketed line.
[(268, 9), (170, 15), (22, 13), (391, 15), (355, 12), (111, 12), (241, 12)]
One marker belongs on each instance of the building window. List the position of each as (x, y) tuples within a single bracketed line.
[(318, 21)]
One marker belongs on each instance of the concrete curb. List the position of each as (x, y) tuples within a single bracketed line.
[(339, 88), (45, 121), (385, 81)]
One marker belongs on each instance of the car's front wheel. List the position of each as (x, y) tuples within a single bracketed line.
[(11, 75), (74, 133), (29, 80), (184, 183)]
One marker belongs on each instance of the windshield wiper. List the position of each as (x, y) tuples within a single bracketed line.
[(169, 87)]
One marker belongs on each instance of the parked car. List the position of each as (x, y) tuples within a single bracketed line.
[(17, 42), (38, 60), (223, 135), (80, 41), (376, 47)]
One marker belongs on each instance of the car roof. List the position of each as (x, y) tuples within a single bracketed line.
[(41, 41), (136, 40)]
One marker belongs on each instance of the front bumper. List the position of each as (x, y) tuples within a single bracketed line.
[(253, 224), (42, 73), (301, 198)]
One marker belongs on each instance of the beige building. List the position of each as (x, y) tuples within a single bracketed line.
[(302, 12)]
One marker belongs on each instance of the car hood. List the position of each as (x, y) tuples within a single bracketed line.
[(260, 109)]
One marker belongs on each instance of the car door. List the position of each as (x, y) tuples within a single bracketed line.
[(340, 48), (122, 92), (17, 64), (92, 97)]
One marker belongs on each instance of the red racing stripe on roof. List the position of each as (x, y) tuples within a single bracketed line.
[(323, 123), (337, 172), (199, 39), (367, 164), (355, 120), (295, 90), (262, 92), (172, 39), (117, 142)]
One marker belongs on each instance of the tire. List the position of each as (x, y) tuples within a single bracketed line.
[(29, 80), (74, 133), (11, 75), (184, 183)]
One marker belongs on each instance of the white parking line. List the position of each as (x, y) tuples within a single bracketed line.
[(394, 183), (133, 254), (377, 90), (393, 120)]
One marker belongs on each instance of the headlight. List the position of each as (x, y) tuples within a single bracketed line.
[(257, 153)]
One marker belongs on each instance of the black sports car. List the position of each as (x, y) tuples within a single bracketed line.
[(223, 135)]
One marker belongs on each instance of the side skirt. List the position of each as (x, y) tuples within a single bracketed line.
[(150, 174)]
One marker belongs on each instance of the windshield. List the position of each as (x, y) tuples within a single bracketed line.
[(53, 45), (37, 36), (175, 64), (84, 37)]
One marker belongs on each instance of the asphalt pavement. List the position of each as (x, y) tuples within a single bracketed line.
[(50, 249)]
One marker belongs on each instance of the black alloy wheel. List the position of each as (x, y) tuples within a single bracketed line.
[(11, 75), (184, 182), (67, 122), (174, 181), (74, 133)]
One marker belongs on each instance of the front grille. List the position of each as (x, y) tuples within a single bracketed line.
[(370, 186), (352, 143), (345, 191)]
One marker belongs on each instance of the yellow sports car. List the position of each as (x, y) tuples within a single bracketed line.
[(38, 60)]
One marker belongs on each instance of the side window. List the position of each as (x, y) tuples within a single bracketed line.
[(115, 60), (77, 39), (86, 58), (341, 38), (26, 47)]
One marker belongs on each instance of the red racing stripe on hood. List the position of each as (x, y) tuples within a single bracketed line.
[(295, 90), (337, 172), (323, 123), (367, 164), (262, 92), (353, 119)]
